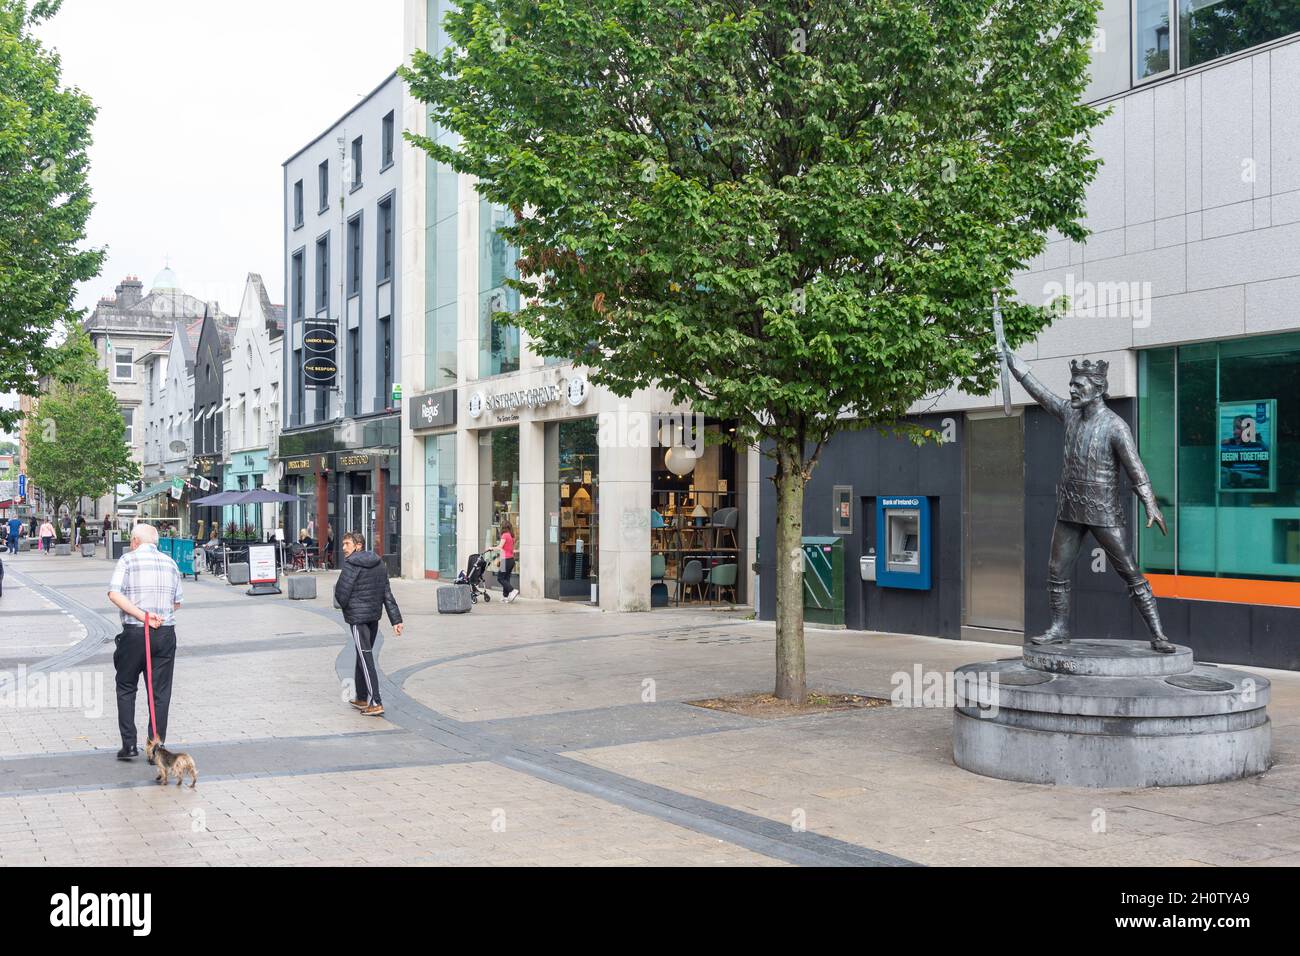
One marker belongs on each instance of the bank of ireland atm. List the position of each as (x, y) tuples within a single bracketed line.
[(903, 542)]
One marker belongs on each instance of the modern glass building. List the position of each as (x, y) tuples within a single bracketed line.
[(494, 433), (1188, 287)]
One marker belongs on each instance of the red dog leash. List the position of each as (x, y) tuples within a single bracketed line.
[(148, 678)]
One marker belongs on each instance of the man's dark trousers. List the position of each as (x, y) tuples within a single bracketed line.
[(367, 676), (128, 661)]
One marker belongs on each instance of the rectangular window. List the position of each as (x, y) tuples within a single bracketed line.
[(385, 364), (297, 204), (354, 369), (323, 184), (356, 162), (440, 506), (1209, 29), (128, 418), (1218, 434), (323, 274), (387, 159), (385, 263), (498, 336), (297, 416), (1152, 37), (354, 255), (296, 289), (124, 364)]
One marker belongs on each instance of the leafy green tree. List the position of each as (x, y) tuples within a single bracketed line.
[(790, 214), (44, 199), (77, 440)]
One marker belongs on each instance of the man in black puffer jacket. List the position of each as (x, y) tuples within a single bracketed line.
[(362, 591)]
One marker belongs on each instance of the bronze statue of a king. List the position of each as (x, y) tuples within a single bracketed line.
[(1097, 444)]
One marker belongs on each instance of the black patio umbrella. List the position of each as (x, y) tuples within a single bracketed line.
[(259, 496), (220, 498)]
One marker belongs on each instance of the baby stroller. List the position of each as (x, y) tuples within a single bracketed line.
[(473, 576)]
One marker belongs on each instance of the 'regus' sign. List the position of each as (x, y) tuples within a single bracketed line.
[(435, 410)]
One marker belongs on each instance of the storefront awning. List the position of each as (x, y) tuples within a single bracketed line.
[(153, 491)]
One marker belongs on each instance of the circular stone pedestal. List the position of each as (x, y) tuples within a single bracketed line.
[(1110, 714)]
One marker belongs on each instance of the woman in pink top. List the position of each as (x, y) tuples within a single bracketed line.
[(507, 562), (47, 536)]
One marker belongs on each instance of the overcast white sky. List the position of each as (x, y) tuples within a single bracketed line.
[(199, 104)]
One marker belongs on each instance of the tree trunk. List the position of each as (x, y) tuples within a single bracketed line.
[(791, 683)]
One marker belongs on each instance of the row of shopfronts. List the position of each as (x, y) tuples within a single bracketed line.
[(630, 504)]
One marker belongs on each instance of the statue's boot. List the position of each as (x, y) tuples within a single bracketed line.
[(1146, 604), (1058, 604)]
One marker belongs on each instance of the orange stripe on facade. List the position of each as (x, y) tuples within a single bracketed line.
[(1227, 590)]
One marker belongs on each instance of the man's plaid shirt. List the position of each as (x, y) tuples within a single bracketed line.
[(150, 580)]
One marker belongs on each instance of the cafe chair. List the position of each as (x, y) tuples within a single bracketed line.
[(723, 578), (692, 576), (725, 521)]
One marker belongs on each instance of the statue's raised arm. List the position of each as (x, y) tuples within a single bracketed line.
[(1041, 393)]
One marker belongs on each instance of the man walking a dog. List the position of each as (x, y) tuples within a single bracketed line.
[(363, 592), (146, 586)]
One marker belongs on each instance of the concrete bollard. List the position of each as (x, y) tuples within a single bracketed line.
[(238, 573), (301, 587)]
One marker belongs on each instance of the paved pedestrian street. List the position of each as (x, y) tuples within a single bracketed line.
[(540, 733)]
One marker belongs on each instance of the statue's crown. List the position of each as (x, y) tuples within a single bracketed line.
[(1097, 369)]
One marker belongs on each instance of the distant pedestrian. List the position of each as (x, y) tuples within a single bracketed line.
[(363, 592), (2, 577), (146, 585), (47, 536), (329, 546), (507, 545), (81, 531), (108, 525), (15, 529)]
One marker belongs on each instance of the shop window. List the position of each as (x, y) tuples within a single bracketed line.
[(695, 516), (440, 506), (499, 495), (1219, 431), (578, 509)]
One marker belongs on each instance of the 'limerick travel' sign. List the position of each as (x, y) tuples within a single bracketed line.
[(1247, 459), (320, 344)]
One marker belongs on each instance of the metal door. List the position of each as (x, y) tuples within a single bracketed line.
[(995, 522)]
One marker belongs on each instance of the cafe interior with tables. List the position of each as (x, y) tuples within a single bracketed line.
[(697, 506)]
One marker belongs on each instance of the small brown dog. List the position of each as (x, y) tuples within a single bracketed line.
[(169, 763)]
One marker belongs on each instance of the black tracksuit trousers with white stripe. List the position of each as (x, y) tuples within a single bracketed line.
[(367, 676)]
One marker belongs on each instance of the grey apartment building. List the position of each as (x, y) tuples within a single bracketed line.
[(1188, 286), (339, 447)]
